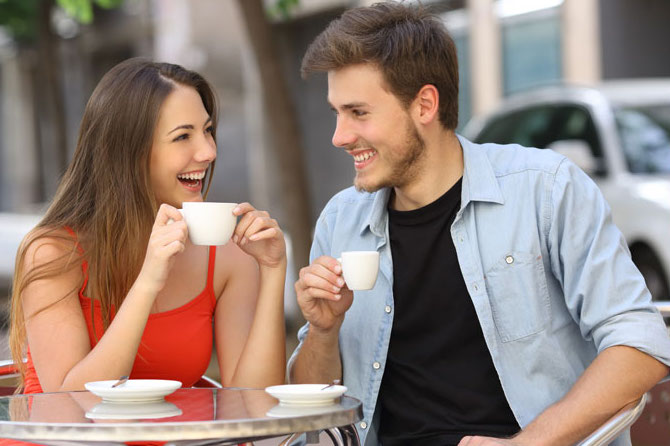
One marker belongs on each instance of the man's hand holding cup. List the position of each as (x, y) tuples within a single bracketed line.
[(325, 294)]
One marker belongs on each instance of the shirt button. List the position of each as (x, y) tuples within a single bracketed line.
[(387, 308), (461, 239), (363, 425), (376, 365), (509, 260), (475, 287)]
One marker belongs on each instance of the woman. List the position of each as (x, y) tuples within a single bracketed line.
[(108, 283)]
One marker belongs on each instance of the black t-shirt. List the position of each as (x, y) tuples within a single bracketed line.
[(439, 383)]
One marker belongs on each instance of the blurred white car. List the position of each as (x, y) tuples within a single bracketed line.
[(619, 133), (13, 227)]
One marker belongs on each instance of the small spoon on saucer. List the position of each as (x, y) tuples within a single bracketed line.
[(334, 383), (121, 380)]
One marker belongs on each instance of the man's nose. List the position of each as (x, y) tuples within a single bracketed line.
[(343, 135)]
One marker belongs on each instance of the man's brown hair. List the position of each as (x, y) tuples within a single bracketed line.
[(410, 46)]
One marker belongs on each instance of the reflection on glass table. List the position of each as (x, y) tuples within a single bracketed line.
[(186, 417), (133, 411)]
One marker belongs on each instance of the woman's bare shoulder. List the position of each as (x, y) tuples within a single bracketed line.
[(42, 246), (51, 269)]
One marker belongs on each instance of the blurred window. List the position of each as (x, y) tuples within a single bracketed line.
[(531, 50), (645, 136), (464, 100), (457, 21)]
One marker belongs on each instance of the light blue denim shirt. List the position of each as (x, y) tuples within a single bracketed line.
[(550, 277)]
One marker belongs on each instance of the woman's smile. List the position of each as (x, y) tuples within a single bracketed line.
[(192, 181)]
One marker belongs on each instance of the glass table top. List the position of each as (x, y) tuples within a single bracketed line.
[(187, 414)]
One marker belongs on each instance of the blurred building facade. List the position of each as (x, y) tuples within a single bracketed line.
[(29, 164), (504, 46)]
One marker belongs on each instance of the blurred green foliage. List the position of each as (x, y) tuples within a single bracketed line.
[(20, 17), (282, 8), (82, 10)]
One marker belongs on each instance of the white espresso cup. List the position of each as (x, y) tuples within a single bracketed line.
[(360, 269), (209, 223)]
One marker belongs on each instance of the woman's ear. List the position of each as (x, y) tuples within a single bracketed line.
[(427, 104)]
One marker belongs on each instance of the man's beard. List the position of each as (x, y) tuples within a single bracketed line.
[(404, 168)]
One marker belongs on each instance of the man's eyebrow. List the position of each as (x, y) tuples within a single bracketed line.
[(350, 105)]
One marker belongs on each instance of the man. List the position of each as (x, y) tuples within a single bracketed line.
[(507, 310)]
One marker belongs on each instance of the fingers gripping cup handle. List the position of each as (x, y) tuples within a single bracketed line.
[(170, 221)]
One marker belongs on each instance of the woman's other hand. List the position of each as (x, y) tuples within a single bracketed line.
[(259, 235), (167, 239)]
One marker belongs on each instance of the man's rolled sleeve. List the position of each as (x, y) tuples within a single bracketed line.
[(604, 291)]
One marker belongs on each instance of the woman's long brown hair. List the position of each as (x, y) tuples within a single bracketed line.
[(105, 196)]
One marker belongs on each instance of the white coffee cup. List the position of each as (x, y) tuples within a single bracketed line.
[(209, 223), (360, 269)]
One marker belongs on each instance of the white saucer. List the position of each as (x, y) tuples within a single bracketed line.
[(131, 411), (133, 389), (305, 394)]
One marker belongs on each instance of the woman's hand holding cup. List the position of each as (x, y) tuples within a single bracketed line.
[(167, 239), (260, 236)]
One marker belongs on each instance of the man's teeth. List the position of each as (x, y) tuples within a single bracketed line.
[(191, 176), (363, 156)]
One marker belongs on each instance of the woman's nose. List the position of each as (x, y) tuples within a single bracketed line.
[(206, 151)]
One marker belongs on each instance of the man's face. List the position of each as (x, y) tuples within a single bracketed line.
[(374, 128)]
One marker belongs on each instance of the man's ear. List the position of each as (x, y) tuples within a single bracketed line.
[(427, 104)]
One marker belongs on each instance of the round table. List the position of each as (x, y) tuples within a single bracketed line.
[(188, 416)]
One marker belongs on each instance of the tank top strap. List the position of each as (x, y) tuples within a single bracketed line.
[(84, 263), (210, 272)]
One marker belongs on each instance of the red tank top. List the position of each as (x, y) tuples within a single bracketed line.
[(176, 344)]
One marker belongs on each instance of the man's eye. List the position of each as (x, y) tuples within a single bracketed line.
[(182, 137), (359, 113)]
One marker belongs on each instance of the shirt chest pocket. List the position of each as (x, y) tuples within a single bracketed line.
[(517, 289)]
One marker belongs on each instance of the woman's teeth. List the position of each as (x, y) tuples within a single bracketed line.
[(191, 176)]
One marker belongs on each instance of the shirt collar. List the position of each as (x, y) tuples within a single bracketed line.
[(479, 179), (479, 184), (378, 215)]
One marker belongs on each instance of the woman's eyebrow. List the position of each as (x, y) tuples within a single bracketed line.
[(188, 126), (183, 126)]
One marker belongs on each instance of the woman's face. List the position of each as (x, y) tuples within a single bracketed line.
[(183, 148)]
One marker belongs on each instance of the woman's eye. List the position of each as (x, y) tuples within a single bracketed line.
[(209, 129), (182, 137)]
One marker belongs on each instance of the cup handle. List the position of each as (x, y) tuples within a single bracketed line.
[(181, 211)]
